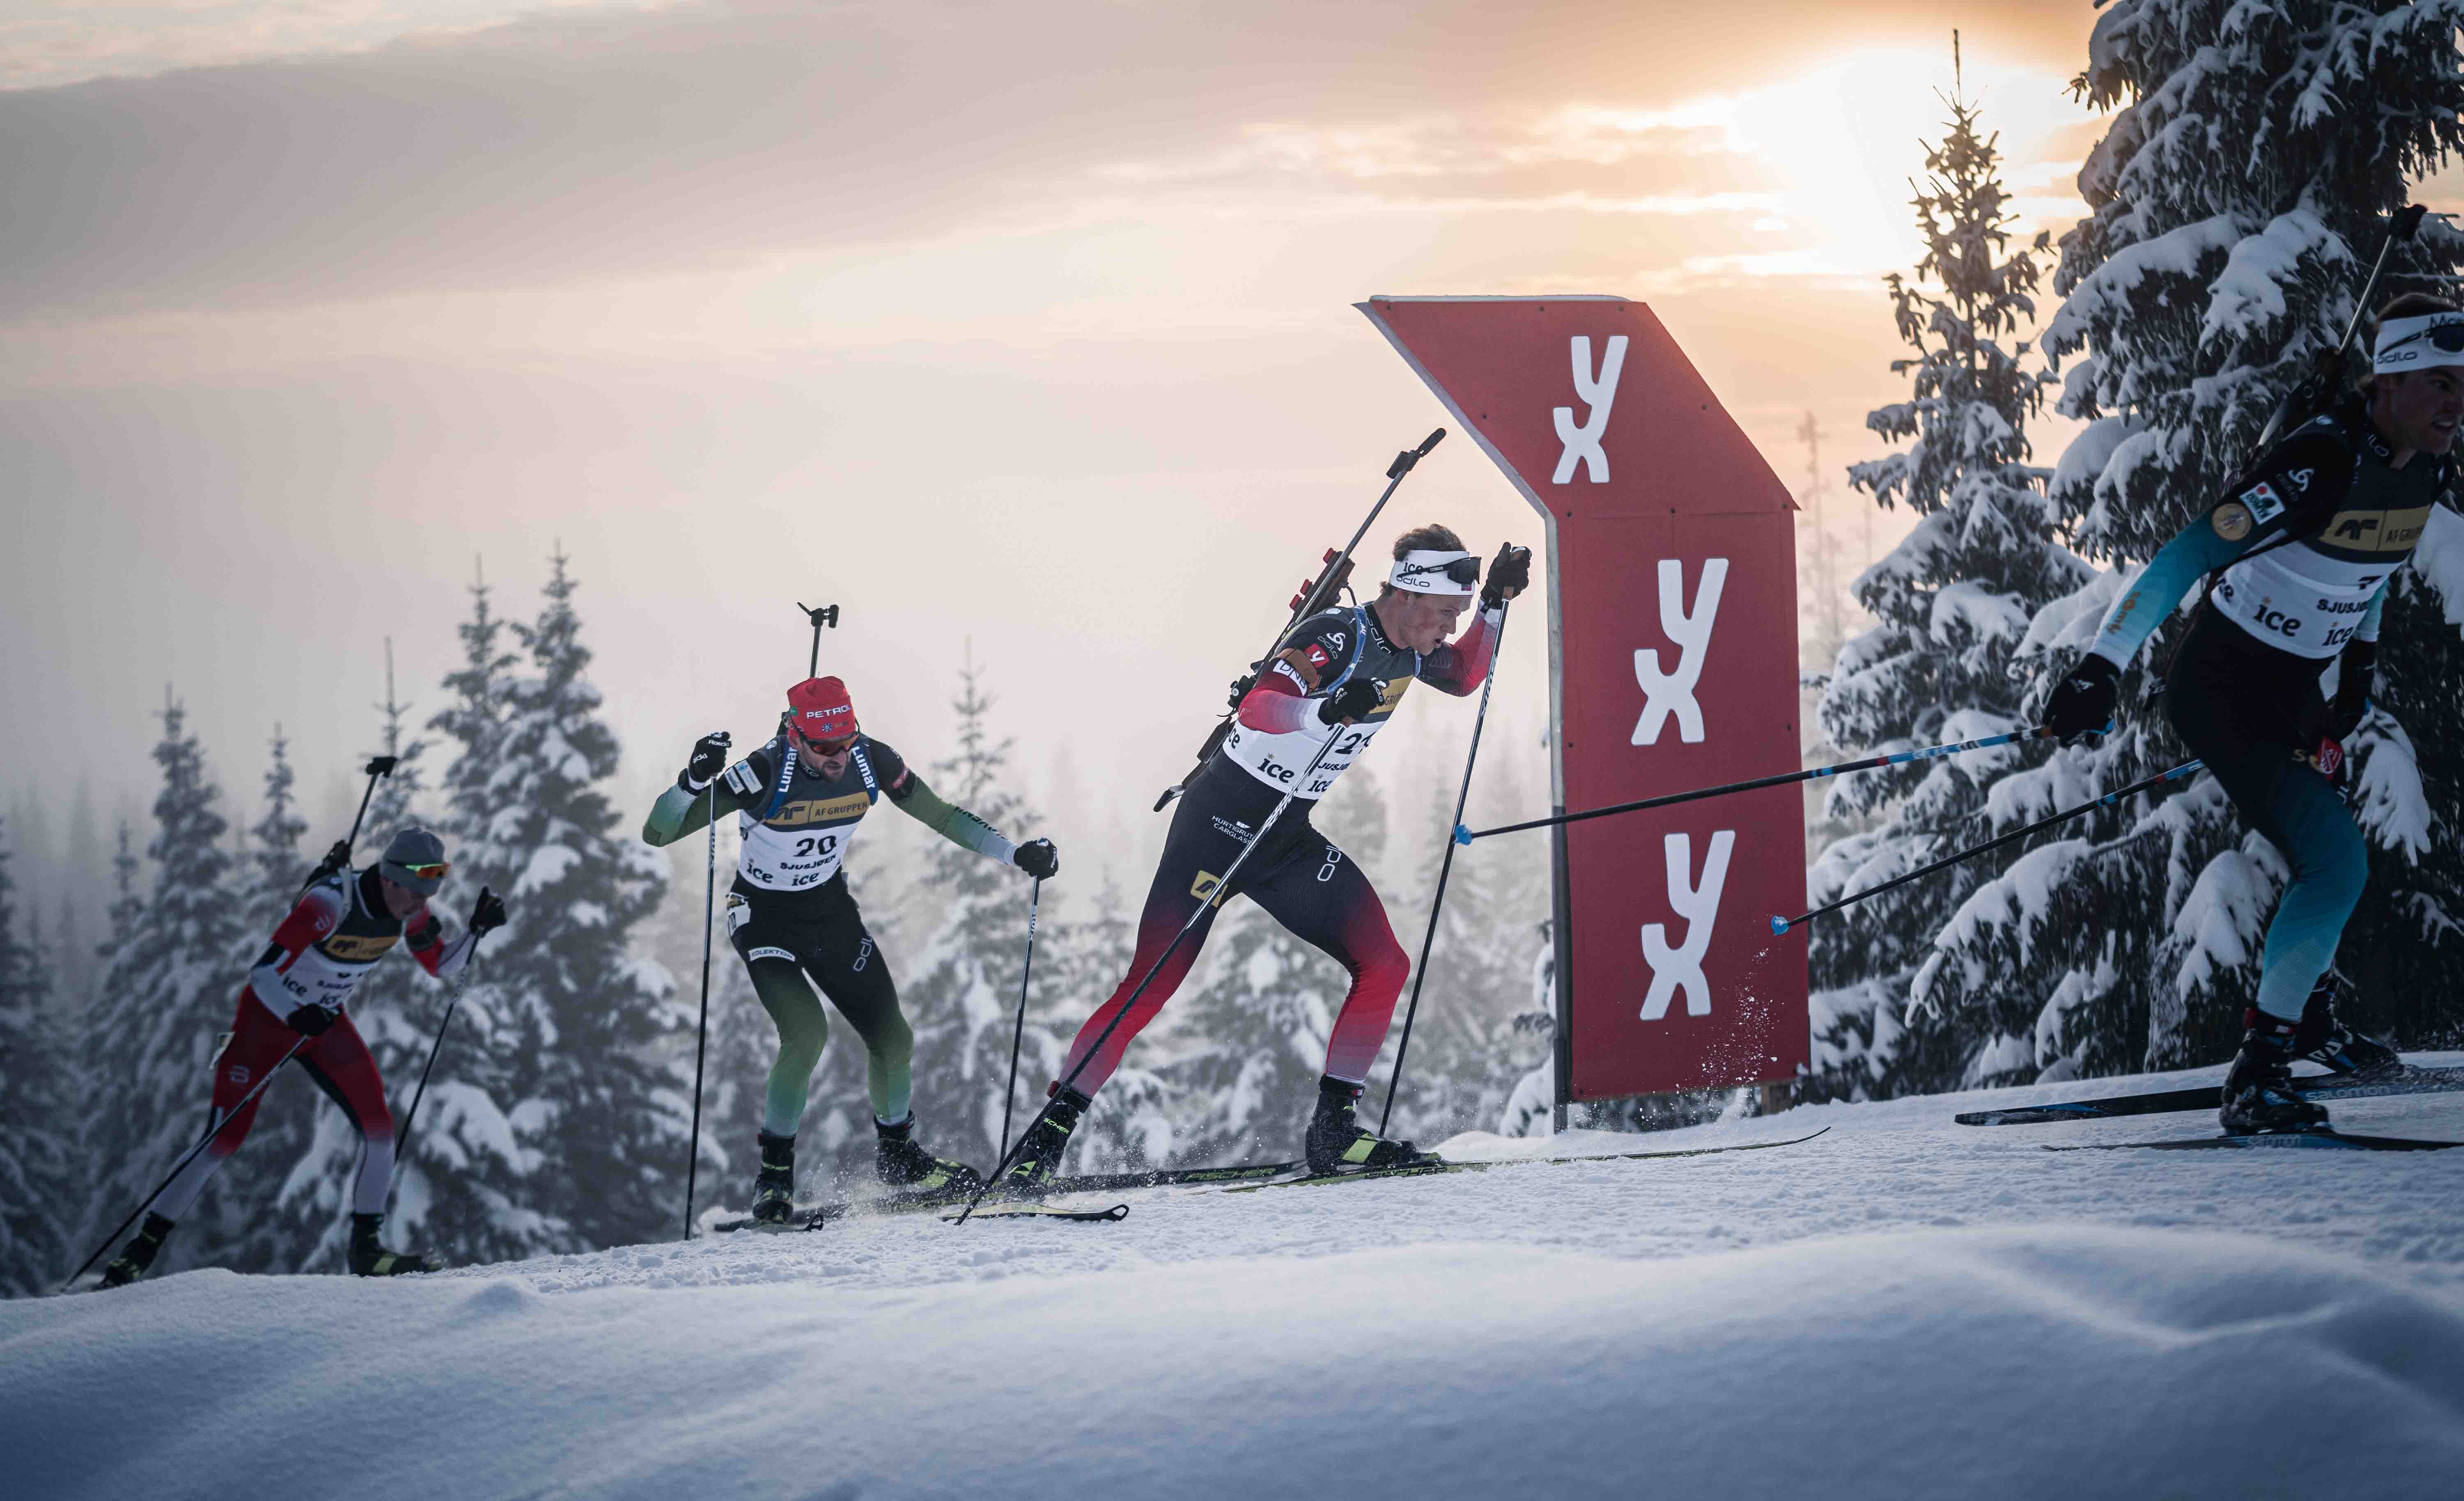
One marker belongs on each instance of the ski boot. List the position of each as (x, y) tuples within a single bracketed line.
[(1338, 1143), (914, 1172), (2258, 1089), (2324, 1040), (1039, 1155), (138, 1259), (370, 1260), (774, 1186)]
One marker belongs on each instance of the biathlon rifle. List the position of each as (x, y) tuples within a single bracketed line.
[(2316, 391), (1334, 576)]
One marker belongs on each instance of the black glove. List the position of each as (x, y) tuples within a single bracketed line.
[(309, 1021), (1352, 701), (2352, 690), (709, 759), (2081, 705), (335, 860), (1037, 858), (487, 914), (1508, 576), (427, 934)]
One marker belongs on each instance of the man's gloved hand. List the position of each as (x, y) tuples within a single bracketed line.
[(709, 759), (1508, 575), (335, 860), (1350, 702), (487, 914), (2081, 705), (1037, 858), (309, 1021)]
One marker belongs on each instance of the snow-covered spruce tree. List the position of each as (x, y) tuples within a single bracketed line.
[(166, 994), (38, 1203), (1530, 1105), (1465, 1054), (582, 1023), (963, 999), (473, 1183), (264, 1237), (1952, 605), (2234, 204)]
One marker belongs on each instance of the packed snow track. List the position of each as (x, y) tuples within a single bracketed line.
[(1904, 1307)]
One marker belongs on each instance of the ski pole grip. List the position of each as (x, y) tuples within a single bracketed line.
[(2407, 221)]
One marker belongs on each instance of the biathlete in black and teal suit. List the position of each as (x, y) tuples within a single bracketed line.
[(1331, 686), (797, 801), (2298, 549)]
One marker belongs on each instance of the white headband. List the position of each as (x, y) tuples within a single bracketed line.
[(2404, 344), (1425, 572)]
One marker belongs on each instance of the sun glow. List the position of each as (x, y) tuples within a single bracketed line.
[(1840, 144)]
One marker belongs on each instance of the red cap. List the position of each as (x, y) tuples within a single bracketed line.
[(818, 708)]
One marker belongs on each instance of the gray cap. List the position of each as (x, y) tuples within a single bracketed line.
[(413, 846)]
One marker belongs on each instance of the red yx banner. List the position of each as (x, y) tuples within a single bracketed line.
[(1672, 643)]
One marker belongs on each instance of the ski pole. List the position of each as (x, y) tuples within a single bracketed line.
[(215, 1123), (1446, 869), (1307, 602), (378, 766), (1463, 836), (828, 615), (410, 1117), (2401, 226), (1222, 891), (709, 898), (1781, 924), (1018, 1033)]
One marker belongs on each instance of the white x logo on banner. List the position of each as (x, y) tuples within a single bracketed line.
[(1699, 905), (1667, 693), (1582, 445)]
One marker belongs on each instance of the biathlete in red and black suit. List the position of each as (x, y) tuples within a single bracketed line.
[(337, 931), (1332, 687)]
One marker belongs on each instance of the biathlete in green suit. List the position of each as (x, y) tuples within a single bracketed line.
[(797, 802)]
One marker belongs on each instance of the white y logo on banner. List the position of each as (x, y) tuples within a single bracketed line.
[(1667, 693), (1583, 444), (1681, 967)]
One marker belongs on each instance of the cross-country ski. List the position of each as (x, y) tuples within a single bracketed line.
[(1535, 750), (2313, 1086), (2322, 1140)]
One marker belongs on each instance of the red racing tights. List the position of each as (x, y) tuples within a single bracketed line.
[(340, 1064), (1302, 881)]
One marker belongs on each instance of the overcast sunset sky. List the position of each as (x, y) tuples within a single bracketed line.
[(1029, 324)]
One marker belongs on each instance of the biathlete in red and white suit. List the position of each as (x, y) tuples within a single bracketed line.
[(336, 933), (1332, 687)]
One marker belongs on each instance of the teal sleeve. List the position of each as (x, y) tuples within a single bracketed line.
[(2194, 552), (678, 813), (952, 822)]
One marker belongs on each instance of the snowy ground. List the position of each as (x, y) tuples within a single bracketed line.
[(1904, 1307)]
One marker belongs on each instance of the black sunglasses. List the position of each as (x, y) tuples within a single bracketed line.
[(1465, 571), (2447, 339)]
